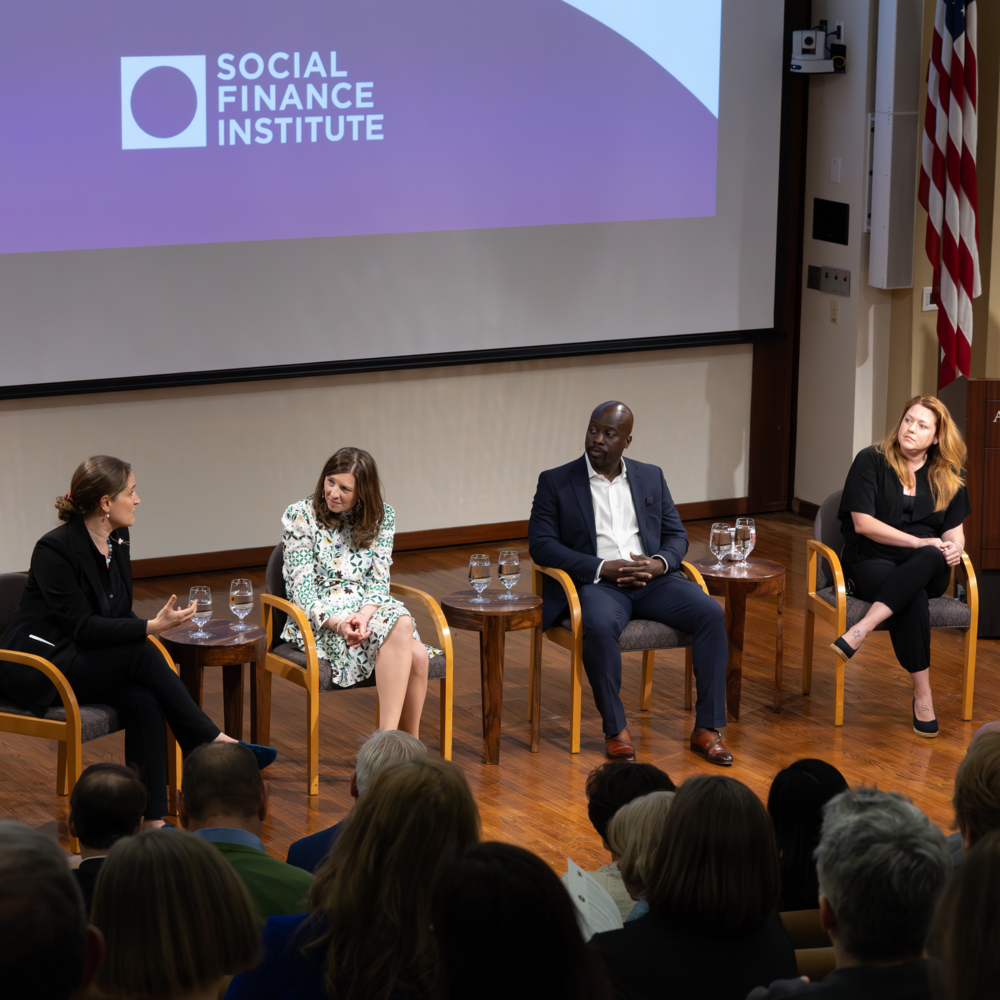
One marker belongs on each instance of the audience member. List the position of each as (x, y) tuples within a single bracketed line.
[(712, 927), (177, 919), (609, 787), (369, 933), (48, 952), (881, 866), (107, 804), (977, 794), (634, 834), (224, 801), (480, 913), (965, 934), (795, 802), (384, 747)]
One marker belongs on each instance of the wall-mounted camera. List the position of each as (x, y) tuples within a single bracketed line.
[(818, 50)]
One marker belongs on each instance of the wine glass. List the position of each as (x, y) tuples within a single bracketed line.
[(745, 539), (509, 572), (720, 541), (241, 602), (480, 575), (203, 597)]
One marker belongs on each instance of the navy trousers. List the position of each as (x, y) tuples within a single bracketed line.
[(674, 600)]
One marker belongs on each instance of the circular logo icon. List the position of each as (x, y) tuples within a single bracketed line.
[(164, 102)]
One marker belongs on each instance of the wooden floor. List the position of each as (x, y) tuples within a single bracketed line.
[(537, 800)]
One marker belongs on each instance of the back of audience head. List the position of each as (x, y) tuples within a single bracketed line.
[(222, 780), (965, 934), (176, 917), (107, 803), (795, 802), (382, 749), (716, 869), (48, 950), (480, 912), (634, 834), (612, 785), (375, 888), (977, 790), (881, 865)]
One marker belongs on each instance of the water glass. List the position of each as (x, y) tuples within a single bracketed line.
[(745, 539), (241, 602), (509, 572), (202, 596), (480, 575), (720, 541)]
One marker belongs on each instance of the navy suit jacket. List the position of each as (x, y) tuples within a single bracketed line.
[(310, 852), (562, 531)]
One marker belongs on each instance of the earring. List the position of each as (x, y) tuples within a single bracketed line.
[(108, 515)]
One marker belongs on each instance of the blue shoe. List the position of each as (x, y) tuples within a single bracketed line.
[(264, 755)]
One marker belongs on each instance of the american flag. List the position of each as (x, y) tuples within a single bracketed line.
[(948, 181)]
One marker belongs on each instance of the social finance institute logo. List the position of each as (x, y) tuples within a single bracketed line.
[(163, 102)]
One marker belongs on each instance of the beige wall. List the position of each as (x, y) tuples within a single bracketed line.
[(216, 465)]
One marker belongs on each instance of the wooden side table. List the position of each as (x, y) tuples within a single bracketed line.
[(226, 649), (492, 621), (762, 578)]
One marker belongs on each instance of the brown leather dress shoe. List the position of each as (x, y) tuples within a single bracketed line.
[(708, 742), (619, 747)]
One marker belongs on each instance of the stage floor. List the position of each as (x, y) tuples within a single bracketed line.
[(537, 800)]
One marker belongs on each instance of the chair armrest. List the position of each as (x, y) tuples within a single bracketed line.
[(434, 610), (269, 602), (692, 573), (569, 589), (54, 674), (163, 652), (814, 550), (965, 568)]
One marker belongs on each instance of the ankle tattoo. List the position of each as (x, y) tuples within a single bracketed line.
[(856, 634)]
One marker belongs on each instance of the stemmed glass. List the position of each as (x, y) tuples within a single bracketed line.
[(746, 538), (241, 602), (202, 596), (480, 575), (509, 572), (720, 541)]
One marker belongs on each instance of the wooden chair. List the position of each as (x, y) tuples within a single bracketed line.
[(68, 722), (567, 632), (314, 675), (826, 596)]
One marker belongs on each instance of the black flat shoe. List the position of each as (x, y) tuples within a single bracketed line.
[(842, 649), (264, 755), (928, 729)]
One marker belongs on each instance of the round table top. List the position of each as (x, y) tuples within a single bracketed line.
[(759, 569), (220, 634), (461, 600)]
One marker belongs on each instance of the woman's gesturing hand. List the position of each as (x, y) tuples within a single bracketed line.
[(170, 617)]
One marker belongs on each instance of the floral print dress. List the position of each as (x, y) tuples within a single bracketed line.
[(326, 574)]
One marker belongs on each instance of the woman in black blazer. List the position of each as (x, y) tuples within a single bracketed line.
[(902, 511), (76, 611)]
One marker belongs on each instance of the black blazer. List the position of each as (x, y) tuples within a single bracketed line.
[(562, 531), (65, 604)]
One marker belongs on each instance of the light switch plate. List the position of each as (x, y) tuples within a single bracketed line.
[(925, 300)]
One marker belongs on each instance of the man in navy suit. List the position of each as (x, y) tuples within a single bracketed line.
[(614, 528)]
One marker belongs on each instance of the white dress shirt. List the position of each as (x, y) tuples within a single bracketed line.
[(614, 517)]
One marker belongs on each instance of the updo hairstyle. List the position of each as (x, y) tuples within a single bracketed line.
[(97, 477)]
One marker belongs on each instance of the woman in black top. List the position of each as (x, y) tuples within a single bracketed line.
[(76, 612), (902, 510)]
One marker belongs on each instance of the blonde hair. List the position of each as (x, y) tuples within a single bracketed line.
[(945, 460), (175, 916), (634, 834), (375, 887)]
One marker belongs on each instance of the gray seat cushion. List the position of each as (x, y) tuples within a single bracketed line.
[(95, 720), (945, 612), (640, 634), (288, 650)]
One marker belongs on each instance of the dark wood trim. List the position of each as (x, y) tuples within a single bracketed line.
[(805, 508), (774, 387), (977, 395), (405, 541)]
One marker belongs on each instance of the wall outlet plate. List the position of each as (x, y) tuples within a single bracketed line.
[(835, 280), (813, 277)]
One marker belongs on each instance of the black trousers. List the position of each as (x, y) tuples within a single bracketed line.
[(905, 585), (674, 600), (138, 684)]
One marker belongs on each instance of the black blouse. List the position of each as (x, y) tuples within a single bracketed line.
[(119, 598), (873, 488)]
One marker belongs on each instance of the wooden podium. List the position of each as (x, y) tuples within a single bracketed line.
[(982, 527)]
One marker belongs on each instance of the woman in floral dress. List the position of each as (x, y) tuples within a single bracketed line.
[(338, 550)]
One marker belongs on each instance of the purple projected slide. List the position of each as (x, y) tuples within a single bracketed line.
[(153, 122)]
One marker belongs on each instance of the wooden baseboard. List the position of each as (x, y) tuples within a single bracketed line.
[(405, 541), (805, 508)]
